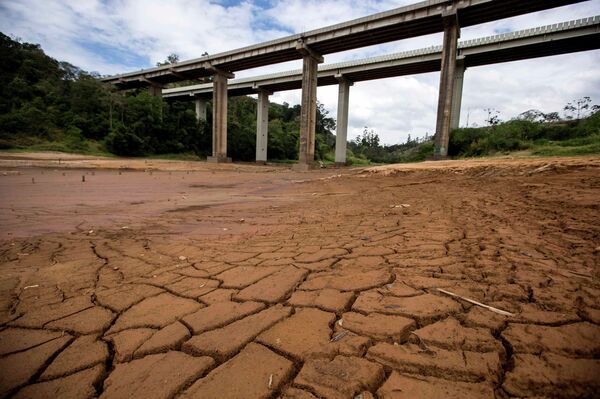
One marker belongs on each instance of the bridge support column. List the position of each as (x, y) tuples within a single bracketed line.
[(200, 109), (308, 113), (155, 90), (457, 93), (262, 125), (449, 50), (341, 133), (219, 127)]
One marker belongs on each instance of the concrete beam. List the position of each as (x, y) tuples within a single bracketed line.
[(181, 76), (262, 125), (219, 128), (218, 71), (459, 77), (341, 133), (409, 21), (308, 113), (565, 37), (154, 88), (306, 50), (447, 77), (200, 109)]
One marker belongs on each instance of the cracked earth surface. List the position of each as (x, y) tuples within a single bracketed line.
[(248, 282)]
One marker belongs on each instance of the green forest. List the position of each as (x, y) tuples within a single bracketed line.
[(46, 104), (50, 105)]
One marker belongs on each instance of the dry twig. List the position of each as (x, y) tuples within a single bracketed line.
[(488, 307), (339, 336)]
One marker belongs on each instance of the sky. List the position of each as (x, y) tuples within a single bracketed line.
[(117, 36)]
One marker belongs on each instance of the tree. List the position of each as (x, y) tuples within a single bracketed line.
[(493, 116), (71, 72), (369, 138), (578, 108), (532, 115), (324, 137), (171, 59), (551, 117)]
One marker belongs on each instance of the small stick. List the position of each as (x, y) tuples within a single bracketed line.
[(270, 381), (488, 307), (339, 336)]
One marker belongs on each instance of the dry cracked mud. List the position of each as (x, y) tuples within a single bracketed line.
[(162, 279)]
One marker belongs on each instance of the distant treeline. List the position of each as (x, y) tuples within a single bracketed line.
[(50, 105)]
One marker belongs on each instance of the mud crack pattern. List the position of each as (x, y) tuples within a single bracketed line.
[(331, 296)]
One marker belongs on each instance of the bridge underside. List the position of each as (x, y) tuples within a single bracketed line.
[(537, 50)]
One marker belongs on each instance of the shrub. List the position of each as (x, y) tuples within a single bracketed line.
[(122, 141)]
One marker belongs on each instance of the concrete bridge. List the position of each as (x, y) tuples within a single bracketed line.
[(419, 19), (566, 37)]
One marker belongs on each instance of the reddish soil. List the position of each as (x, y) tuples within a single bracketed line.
[(163, 279)]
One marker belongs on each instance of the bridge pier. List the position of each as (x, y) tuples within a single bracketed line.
[(155, 90), (262, 125), (219, 122), (457, 93), (341, 133), (447, 78), (200, 109), (308, 113)]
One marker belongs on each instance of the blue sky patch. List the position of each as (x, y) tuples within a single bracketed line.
[(115, 55)]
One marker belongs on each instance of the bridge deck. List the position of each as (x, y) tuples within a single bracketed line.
[(401, 23), (565, 37)]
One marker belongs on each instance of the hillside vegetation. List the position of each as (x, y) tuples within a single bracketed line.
[(569, 137), (50, 105)]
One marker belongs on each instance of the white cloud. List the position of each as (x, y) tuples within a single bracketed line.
[(114, 36), (144, 32), (303, 15)]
